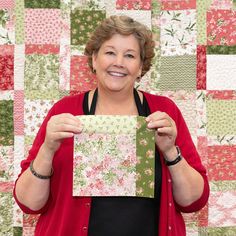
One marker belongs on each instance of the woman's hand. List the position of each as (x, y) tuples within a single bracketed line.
[(59, 127), (166, 131)]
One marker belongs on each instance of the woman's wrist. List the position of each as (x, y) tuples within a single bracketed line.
[(171, 154)]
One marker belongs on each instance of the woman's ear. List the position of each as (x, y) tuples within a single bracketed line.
[(94, 58)]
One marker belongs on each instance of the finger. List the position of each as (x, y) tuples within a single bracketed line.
[(61, 135), (156, 116), (64, 127), (166, 131), (159, 124)]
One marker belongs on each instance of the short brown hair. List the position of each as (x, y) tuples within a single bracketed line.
[(126, 26)]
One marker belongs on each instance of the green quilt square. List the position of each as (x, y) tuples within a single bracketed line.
[(42, 72), (178, 73), (42, 4), (221, 117), (83, 22), (6, 123)]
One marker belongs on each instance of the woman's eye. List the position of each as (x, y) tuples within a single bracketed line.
[(110, 53), (129, 55)]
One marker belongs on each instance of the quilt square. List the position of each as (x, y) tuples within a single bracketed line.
[(7, 35), (34, 114), (18, 112), (174, 69), (178, 4), (133, 4), (82, 79), (221, 27), (42, 4), (7, 4), (221, 4), (42, 26), (220, 49), (6, 210), (42, 72), (6, 163), (201, 67), (89, 5), (6, 67), (43, 49), (220, 159), (83, 22), (20, 18), (178, 32), (6, 123), (221, 117), (114, 156), (221, 72)]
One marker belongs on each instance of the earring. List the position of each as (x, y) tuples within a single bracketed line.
[(94, 71)]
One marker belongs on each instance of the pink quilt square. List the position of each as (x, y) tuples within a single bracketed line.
[(178, 4), (221, 160), (82, 79), (201, 67), (221, 4), (221, 26), (42, 26), (133, 4), (221, 95), (6, 67), (42, 49), (7, 4), (18, 112)]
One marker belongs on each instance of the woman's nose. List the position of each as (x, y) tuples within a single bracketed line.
[(119, 60)]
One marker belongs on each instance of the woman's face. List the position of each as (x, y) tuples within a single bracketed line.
[(118, 63)]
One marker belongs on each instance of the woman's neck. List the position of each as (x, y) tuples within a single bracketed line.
[(114, 103)]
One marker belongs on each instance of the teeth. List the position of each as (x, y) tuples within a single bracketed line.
[(117, 74)]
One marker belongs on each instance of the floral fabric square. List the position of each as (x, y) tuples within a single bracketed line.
[(6, 163), (41, 72), (6, 67), (6, 122), (42, 4), (83, 22), (43, 49), (178, 4), (42, 26), (133, 4), (81, 79), (89, 5), (221, 27), (114, 156), (178, 32), (221, 49), (201, 67), (7, 35), (221, 4)]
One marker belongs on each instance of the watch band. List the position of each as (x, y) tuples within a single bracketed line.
[(176, 160)]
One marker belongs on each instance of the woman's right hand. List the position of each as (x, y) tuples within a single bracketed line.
[(59, 127)]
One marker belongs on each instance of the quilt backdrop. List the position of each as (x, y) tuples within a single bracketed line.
[(41, 60)]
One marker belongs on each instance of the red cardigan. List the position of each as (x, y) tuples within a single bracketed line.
[(67, 215)]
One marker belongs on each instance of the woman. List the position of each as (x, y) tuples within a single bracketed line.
[(119, 52)]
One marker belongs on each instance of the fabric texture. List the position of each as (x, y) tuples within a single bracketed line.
[(75, 211)]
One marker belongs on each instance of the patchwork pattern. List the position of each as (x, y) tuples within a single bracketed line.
[(42, 60), (114, 156)]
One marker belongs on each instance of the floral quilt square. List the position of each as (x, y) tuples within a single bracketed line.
[(220, 160), (34, 114), (41, 72), (6, 163), (42, 4), (114, 156), (81, 79), (42, 49), (221, 27), (133, 4), (83, 22), (89, 5), (7, 35), (178, 4), (221, 4), (6, 67), (6, 123), (201, 67), (42, 26), (178, 32)]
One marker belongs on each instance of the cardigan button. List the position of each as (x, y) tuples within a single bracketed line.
[(169, 180), (85, 228), (87, 204), (169, 228), (170, 204)]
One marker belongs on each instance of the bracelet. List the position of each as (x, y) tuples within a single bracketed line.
[(37, 174), (176, 160)]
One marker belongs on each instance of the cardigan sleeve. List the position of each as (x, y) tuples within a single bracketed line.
[(189, 152), (39, 139)]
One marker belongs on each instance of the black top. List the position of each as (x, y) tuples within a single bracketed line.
[(125, 216)]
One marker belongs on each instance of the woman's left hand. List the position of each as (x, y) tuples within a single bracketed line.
[(166, 130)]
